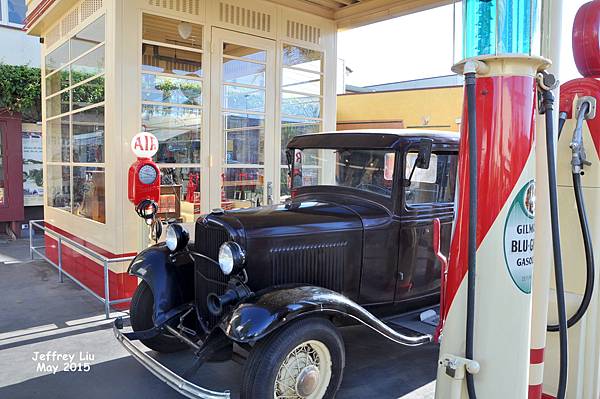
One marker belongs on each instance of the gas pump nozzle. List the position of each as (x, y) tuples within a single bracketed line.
[(586, 109)]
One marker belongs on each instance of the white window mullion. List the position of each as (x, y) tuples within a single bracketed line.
[(4, 14)]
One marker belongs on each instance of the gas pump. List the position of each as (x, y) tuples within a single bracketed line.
[(144, 182), (485, 338), (578, 181)]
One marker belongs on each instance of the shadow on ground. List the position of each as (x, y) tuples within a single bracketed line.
[(31, 296)]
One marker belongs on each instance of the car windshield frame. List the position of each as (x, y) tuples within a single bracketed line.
[(379, 196)]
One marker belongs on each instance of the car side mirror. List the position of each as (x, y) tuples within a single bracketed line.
[(289, 157), (423, 159), (424, 154)]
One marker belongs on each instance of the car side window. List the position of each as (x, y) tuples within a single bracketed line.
[(435, 184)]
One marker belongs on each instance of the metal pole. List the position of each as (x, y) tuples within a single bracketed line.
[(106, 291), (30, 240), (60, 274)]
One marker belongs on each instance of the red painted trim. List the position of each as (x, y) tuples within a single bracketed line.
[(437, 228), (535, 392), (90, 273), (536, 356), (506, 133), (37, 13), (88, 244)]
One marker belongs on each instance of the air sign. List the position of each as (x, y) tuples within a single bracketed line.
[(144, 145)]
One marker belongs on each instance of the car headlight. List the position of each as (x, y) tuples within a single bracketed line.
[(177, 237), (231, 257)]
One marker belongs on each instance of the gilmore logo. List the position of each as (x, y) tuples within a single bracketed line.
[(144, 145)]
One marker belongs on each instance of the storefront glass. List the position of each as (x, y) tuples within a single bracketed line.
[(172, 110), (301, 100), (75, 136), (244, 88)]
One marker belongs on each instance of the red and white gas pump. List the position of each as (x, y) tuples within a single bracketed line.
[(486, 332), (485, 347), (578, 184), (144, 181)]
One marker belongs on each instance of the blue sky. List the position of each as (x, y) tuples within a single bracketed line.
[(421, 45)]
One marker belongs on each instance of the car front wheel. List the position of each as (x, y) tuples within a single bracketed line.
[(303, 360)]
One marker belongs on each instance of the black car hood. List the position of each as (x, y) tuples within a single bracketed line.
[(300, 217)]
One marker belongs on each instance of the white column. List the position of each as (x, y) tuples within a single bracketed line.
[(551, 19)]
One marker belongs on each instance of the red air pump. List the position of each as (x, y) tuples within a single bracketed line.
[(144, 175), (144, 181)]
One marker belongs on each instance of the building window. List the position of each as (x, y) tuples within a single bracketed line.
[(301, 99), (172, 109), (12, 12), (75, 135)]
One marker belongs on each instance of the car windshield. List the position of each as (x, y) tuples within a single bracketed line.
[(361, 169)]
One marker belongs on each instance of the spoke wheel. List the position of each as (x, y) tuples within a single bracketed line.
[(304, 373), (302, 360)]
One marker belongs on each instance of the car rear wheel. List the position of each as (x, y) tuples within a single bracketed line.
[(140, 313), (303, 360)]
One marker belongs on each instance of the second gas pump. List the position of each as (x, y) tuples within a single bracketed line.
[(486, 333)]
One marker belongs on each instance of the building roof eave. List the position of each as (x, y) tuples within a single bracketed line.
[(43, 13)]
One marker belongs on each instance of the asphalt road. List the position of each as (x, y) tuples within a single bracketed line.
[(40, 318)]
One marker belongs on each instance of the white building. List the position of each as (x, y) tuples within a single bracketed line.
[(17, 47)]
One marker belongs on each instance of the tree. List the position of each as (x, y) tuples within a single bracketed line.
[(20, 91)]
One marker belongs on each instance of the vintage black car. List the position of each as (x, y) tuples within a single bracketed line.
[(270, 286)]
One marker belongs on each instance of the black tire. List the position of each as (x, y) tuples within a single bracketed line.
[(267, 356), (140, 314)]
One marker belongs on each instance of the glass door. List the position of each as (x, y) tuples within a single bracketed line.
[(242, 120)]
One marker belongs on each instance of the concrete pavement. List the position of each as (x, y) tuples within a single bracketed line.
[(40, 317)]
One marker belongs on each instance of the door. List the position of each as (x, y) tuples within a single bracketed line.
[(429, 196), (3, 165), (11, 169), (242, 126)]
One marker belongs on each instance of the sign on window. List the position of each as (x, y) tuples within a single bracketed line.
[(33, 179)]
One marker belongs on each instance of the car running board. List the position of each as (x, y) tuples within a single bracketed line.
[(422, 321)]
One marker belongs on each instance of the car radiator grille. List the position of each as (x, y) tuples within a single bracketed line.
[(319, 264), (208, 276)]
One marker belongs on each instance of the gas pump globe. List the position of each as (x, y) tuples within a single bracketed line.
[(500, 27)]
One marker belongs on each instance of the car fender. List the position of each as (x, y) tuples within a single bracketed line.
[(267, 311), (170, 278)]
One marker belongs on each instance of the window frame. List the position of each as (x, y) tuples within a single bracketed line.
[(71, 164), (4, 18), (202, 79), (296, 120), (406, 207), (198, 167)]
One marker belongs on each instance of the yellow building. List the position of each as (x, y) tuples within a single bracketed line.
[(426, 103)]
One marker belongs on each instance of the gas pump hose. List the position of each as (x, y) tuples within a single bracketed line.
[(470, 85), (585, 229), (548, 110)]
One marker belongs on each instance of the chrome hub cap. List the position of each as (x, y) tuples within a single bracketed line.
[(305, 372), (307, 381)]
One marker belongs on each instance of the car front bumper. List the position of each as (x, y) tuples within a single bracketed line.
[(171, 378)]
